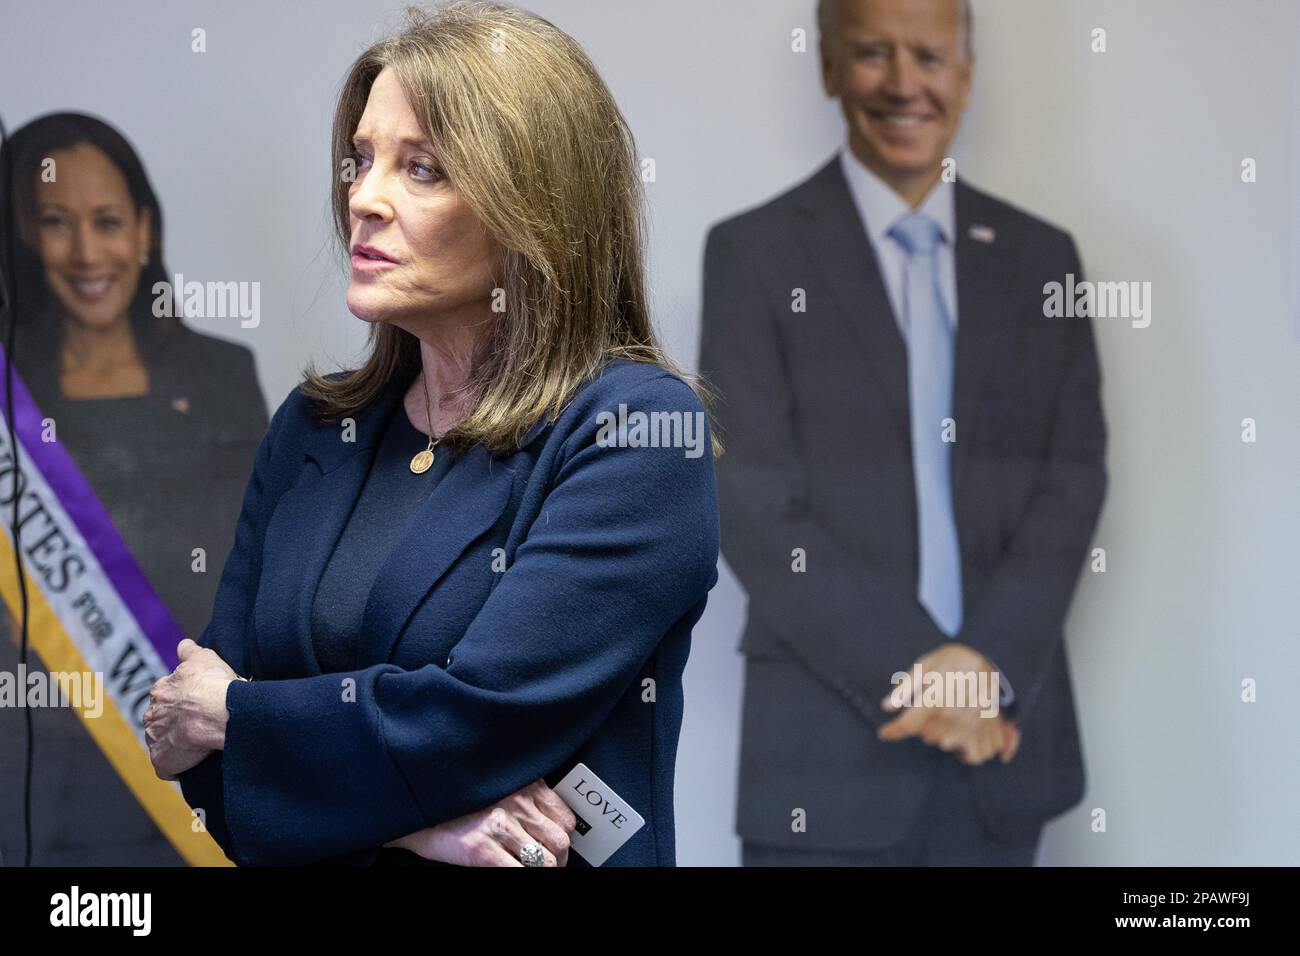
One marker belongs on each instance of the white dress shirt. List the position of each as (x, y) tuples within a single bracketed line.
[(880, 208)]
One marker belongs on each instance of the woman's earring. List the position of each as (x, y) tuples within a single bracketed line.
[(144, 259)]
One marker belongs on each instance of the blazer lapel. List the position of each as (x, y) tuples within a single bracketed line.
[(467, 502), (307, 522), (836, 240), (984, 270)]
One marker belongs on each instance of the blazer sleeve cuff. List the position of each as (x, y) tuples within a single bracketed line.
[(287, 805), (202, 787)]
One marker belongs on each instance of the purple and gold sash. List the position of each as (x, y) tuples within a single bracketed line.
[(90, 610)]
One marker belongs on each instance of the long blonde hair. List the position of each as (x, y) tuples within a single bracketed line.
[(530, 136)]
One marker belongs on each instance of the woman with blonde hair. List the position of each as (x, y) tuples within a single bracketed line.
[(466, 572)]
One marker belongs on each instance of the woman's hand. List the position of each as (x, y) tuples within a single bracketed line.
[(186, 718), (494, 835)]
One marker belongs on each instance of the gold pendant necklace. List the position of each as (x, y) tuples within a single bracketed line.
[(423, 460)]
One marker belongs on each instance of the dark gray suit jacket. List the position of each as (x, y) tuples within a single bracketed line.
[(814, 415)]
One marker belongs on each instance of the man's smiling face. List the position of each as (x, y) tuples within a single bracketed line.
[(902, 73)]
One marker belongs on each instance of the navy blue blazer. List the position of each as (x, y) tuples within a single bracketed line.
[(536, 613)]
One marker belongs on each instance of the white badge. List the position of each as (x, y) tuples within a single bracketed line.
[(605, 821)]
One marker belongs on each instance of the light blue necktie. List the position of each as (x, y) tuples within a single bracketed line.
[(930, 377)]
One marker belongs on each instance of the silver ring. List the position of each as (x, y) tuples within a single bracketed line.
[(530, 854)]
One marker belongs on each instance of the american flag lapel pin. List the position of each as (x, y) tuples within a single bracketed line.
[(981, 233)]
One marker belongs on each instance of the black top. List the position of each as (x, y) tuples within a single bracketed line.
[(388, 500)]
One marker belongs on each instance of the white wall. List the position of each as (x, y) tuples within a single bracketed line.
[(1137, 151)]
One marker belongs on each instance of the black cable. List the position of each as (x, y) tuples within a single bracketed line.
[(9, 314)]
